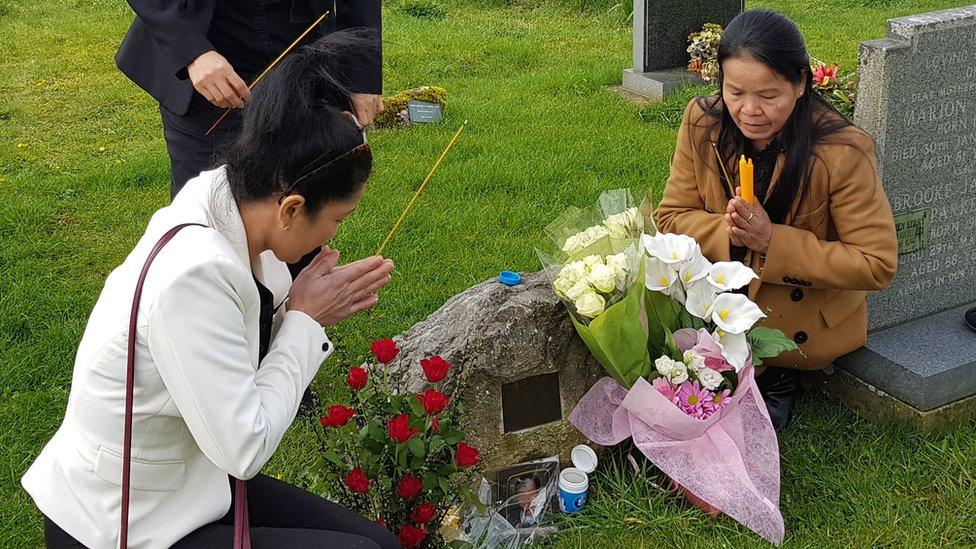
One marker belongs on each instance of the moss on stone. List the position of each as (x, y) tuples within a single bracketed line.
[(395, 107)]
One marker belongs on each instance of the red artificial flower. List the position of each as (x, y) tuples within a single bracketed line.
[(411, 536), (409, 487), (435, 424), (423, 513), (824, 73), (337, 416), (400, 430), (435, 368), (434, 401), (385, 350), (357, 378), (357, 482), (466, 456)]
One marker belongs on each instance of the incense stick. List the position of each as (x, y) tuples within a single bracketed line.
[(422, 185), (272, 65), (728, 180)]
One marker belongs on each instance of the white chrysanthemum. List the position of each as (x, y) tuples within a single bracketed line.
[(701, 299), (727, 276), (734, 313), (603, 278), (674, 371), (694, 361), (710, 379), (590, 304), (669, 247)]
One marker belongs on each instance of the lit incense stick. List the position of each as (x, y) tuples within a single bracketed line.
[(721, 164), (419, 190), (272, 65)]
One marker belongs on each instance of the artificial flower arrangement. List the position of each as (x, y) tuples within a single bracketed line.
[(680, 343), (401, 459), (703, 48), (837, 87)]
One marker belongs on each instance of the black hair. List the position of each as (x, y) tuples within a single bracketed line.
[(774, 40), (294, 123)]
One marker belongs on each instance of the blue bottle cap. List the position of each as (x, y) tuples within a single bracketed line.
[(509, 278)]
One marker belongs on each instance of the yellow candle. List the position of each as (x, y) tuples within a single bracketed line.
[(746, 182)]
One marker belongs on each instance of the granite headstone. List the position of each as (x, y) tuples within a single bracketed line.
[(917, 97), (661, 29)]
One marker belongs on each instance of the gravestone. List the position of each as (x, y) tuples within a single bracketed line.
[(661, 29), (917, 97), (519, 366)]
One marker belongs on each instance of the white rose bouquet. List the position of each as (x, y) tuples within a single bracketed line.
[(599, 276)]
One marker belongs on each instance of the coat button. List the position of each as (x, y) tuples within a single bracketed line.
[(326, 347), (800, 337), (796, 294)]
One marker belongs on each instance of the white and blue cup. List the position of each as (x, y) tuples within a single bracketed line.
[(573, 485)]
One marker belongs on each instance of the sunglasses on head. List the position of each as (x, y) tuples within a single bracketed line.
[(310, 170)]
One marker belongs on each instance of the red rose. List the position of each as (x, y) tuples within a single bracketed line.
[(435, 424), (434, 401), (400, 429), (466, 456), (357, 378), (409, 487), (435, 368), (411, 536), (337, 416), (423, 513), (357, 482), (385, 350)]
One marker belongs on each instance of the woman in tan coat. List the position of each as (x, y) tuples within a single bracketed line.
[(820, 234)]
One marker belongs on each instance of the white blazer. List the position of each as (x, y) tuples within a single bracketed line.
[(204, 408)]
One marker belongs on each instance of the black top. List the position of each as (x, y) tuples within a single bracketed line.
[(251, 33), (266, 319)]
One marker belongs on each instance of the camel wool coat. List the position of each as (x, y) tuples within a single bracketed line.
[(837, 242)]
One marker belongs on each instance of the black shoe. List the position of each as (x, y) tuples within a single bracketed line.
[(780, 389), (971, 318)]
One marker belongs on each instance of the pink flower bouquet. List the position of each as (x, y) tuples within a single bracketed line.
[(697, 415)]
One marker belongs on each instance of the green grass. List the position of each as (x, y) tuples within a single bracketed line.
[(544, 133)]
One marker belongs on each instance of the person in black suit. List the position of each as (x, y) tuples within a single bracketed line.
[(196, 57)]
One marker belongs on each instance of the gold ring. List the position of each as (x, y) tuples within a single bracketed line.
[(750, 216)]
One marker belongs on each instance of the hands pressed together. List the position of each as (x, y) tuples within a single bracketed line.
[(748, 224), (329, 292)]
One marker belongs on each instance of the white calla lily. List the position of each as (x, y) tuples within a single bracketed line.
[(730, 275), (735, 313), (701, 299), (735, 348), (669, 247), (658, 275), (696, 268)]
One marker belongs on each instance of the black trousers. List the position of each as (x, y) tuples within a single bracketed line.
[(191, 151), (281, 515)]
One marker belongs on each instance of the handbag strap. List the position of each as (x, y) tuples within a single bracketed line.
[(242, 536)]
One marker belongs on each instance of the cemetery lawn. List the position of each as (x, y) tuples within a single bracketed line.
[(83, 165)]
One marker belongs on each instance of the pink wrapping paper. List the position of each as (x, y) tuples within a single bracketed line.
[(730, 460)]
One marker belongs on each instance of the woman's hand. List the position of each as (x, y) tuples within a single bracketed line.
[(749, 225), (329, 293), (366, 107)]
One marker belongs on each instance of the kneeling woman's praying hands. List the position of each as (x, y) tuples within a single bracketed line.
[(207, 370)]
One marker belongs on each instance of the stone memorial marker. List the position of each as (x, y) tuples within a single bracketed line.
[(917, 97), (424, 112), (661, 29), (519, 362)]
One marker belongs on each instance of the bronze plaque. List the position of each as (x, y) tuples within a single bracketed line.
[(530, 402)]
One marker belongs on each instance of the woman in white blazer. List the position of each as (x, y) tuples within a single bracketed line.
[(226, 342)]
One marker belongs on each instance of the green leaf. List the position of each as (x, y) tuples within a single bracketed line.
[(768, 343), (417, 462), (333, 457), (460, 543), (416, 447), (401, 455), (436, 444), (445, 486), (416, 406), (376, 433), (430, 480), (453, 436), (671, 346)]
